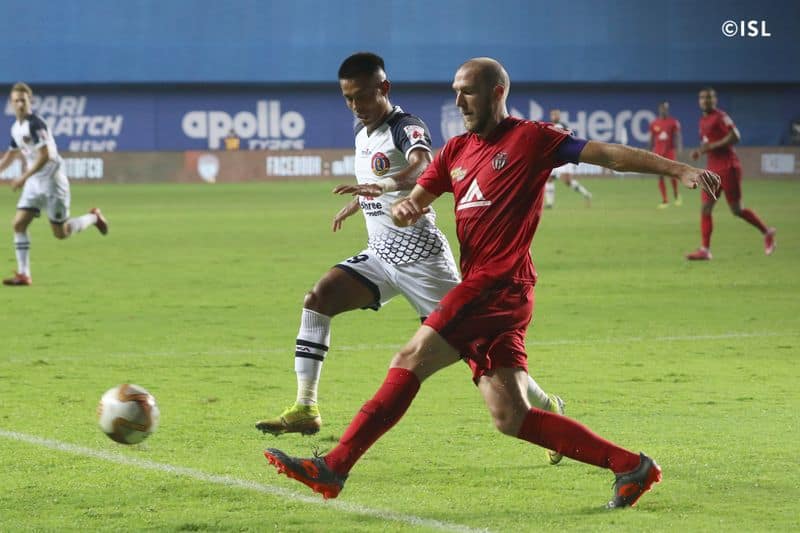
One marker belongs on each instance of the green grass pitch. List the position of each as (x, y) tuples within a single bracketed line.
[(196, 295)]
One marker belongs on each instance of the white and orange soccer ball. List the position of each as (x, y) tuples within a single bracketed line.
[(128, 414)]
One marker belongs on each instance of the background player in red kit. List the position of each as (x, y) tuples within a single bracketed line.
[(665, 137), (718, 134), (496, 171)]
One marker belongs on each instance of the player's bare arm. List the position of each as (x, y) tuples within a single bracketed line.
[(408, 210), (418, 161), (679, 141), (44, 156), (348, 210), (626, 159)]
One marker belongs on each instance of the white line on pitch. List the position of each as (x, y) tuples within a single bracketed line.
[(228, 481)]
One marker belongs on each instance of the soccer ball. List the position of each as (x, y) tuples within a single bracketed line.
[(128, 414)]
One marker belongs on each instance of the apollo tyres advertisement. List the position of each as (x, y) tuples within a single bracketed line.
[(280, 119)]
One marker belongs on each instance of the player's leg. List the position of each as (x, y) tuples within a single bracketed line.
[(706, 227), (550, 192), (426, 353), (573, 184), (662, 187), (22, 244), (676, 192), (357, 283), (503, 390), (733, 194)]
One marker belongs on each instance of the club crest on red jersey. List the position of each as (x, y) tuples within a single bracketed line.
[(499, 160), (380, 164)]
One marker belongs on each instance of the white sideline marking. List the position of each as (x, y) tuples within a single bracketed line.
[(236, 483)]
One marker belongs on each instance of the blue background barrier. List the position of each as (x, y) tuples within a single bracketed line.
[(146, 120)]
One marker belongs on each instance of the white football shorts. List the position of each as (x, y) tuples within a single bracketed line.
[(47, 189), (423, 283), (567, 168)]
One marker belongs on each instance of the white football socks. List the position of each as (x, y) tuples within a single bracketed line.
[(580, 188), (313, 340), (22, 245), (78, 224), (537, 396), (549, 194)]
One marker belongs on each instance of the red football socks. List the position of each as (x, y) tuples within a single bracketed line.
[(706, 226), (663, 188), (574, 440), (374, 419), (675, 187), (753, 219)]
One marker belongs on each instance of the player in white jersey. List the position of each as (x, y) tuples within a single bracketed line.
[(564, 172), (392, 148), (44, 184)]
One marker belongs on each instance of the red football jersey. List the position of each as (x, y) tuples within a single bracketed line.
[(663, 132), (497, 183), (713, 127)]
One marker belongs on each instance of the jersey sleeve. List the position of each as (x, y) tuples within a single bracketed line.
[(546, 139), (727, 123), (38, 129), (410, 133), (436, 177)]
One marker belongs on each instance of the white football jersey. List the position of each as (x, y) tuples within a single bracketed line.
[(29, 135), (382, 154)]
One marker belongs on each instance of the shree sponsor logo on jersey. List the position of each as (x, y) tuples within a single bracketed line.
[(380, 164), (67, 117), (268, 128), (473, 198)]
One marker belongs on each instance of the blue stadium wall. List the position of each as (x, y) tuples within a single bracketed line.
[(146, 75), (262, 41)]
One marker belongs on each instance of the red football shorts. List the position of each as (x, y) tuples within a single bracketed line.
[(486, 324), (731, 182)]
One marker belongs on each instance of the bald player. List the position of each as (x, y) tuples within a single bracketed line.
[(496, 172)]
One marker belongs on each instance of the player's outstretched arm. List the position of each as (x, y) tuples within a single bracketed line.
[(626, 159), (349, 209), (408, 210), (418, 161)]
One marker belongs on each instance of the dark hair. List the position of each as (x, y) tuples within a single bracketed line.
[(360, 64), (708, 89)]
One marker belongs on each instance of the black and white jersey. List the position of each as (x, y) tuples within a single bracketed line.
[(29, 135), (382, 154)]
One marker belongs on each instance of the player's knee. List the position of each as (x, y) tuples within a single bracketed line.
[(736, 210), (316, 301), (19, 226), (506, 422), (408, 358)]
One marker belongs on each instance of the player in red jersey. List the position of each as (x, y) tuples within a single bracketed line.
[(496, 171), (718, 134), (665, 137)]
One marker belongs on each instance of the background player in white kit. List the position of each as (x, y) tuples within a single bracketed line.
[(564, 172), (392, 148), (44, 184)]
